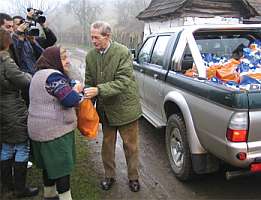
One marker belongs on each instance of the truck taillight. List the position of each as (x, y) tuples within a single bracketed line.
[(237, 135), (238, 128)]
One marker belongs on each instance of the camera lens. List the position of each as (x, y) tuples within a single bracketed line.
[(41, 19)]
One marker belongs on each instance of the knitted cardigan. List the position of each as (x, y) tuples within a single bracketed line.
[(48, 119)]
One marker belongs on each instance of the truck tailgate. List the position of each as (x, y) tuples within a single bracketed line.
[(254, 134)]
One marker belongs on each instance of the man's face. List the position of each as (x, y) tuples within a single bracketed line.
[(17, 22), (99, 41), (8, 26)]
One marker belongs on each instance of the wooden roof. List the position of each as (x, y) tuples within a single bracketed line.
[(201, 8)]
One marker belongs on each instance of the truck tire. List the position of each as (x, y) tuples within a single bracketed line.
[(178, 148)]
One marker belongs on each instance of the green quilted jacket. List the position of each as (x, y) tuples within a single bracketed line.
[(112, 73), (13, 110)]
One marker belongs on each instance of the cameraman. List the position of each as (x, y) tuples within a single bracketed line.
[(28, 50), (49, 37)]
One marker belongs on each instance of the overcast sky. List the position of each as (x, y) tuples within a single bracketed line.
[(5, 5)]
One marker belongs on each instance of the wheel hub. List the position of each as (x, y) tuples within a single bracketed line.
[(176, 147)]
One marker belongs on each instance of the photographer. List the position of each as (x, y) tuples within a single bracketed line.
[(27, 48)]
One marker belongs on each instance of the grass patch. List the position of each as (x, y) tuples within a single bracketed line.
[(83, 180)]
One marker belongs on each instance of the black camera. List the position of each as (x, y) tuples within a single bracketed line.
[(37, 16), (31, 30)]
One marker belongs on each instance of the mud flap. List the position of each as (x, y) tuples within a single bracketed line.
[(204, 163)]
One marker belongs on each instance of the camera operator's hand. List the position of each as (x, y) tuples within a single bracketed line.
[(30, 13), (20, 31), (22, 27)]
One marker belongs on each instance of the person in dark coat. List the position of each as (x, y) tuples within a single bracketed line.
[(13, 123)]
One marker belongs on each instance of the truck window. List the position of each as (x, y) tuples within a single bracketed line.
[(187, 60), (221, 46), (159, 50), (224, 44), (144, 54)]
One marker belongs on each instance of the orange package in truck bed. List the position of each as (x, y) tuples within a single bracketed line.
[(212, 70), (228, 71)]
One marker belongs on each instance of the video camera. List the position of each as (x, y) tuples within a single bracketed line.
[(36, 17)]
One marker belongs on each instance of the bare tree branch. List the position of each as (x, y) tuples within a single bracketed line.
[(86, 12), (19, 7)]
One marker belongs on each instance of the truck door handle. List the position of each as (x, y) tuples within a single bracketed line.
[(155, 76)]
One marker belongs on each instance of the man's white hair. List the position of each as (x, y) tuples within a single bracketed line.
[(103, 26)]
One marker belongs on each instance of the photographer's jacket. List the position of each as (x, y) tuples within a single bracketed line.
[(112, 73), (13, 111), (48, 40), (27, 53)]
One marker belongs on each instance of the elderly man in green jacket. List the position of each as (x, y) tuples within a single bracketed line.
[(109, 73)]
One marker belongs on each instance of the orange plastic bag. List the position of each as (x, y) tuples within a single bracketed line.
[(228, 71), (88, 119), (211, 71)]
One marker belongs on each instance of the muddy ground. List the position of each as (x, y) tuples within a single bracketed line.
[(157, 180)]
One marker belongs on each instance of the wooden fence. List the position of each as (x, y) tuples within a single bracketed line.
[(131, 40)]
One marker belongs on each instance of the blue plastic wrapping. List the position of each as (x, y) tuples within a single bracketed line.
[(249, 63)]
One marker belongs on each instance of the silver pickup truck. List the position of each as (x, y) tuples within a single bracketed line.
[(207, 124)]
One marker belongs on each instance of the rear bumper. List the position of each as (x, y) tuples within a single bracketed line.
[(252, 150)]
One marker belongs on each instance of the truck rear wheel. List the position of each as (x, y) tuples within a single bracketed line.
[(178, 148)]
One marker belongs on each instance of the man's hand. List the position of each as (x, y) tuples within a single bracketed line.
[(90, 92), (30, 13), (20, 31), (21, 28)]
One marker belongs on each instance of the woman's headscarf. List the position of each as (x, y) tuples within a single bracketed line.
[(50, 59)]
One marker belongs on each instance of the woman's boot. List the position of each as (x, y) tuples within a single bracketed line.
[(6, 176), (50, 193), (65, 195), (20, 171)]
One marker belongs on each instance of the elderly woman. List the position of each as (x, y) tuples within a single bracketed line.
[(13, 127), (52, 120)]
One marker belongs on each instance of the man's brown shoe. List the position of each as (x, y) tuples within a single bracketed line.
[(134, 185), (107, 183)]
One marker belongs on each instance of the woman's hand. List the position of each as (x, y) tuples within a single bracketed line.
[(78, 87)]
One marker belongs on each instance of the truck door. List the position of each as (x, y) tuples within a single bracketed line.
[(154, 78), (142, 60)]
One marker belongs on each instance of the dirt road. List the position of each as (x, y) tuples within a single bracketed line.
[(157, 180)]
